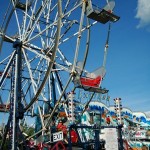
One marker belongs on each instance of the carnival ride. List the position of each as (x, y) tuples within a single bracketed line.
[(42, 43)]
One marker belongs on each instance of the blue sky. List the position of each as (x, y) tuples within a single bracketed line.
[(128, 73), (128, 63)]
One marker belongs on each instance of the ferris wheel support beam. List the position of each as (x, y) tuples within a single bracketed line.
[(53, 90), (17, 93)]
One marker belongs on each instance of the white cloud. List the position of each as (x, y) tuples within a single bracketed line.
[(143, 13)]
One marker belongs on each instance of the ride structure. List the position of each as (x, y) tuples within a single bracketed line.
[(41, 68)]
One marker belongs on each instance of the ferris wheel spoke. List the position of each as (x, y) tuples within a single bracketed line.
[(24, 20), (40, 33), (79, 36), (51, 25), (66, 6), (58, 101), (63, 58), (34, 73), (17, 20), (42, 40), (70, 24), (30, 72), (27, 25), (8, 39), (50, 64), (37, 53), (58, 88), (53, 33), (71, 10), (5, 59), (76, 33), (40, 88), (31, 18), (62, 67), (53, 30), (37, 18), (7, 68), (48, 15)]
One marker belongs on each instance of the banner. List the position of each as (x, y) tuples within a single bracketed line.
[(111, 138)]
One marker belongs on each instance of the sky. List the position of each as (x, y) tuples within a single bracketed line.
[(128, 63)]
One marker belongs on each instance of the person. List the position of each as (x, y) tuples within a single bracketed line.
[(63, 128), (74, 136), (108, 120)]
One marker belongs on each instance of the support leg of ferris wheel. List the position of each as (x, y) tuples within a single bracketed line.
[(17, 94)]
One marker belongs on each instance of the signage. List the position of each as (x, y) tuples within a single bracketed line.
[(111, 138), (58, 136), (140, 134)]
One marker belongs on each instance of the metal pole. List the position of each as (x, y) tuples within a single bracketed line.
[(97, 141), (53, 90), (17, 92), (120, 136), (70, 144)]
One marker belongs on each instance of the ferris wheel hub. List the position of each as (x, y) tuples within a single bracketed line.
[(17, 43)]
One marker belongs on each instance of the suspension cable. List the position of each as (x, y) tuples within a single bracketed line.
[(106, 45)]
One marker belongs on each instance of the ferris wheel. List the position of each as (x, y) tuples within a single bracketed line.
[(41, 43)]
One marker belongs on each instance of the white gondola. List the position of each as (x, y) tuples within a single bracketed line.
[(91, 81), (103, 15)]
